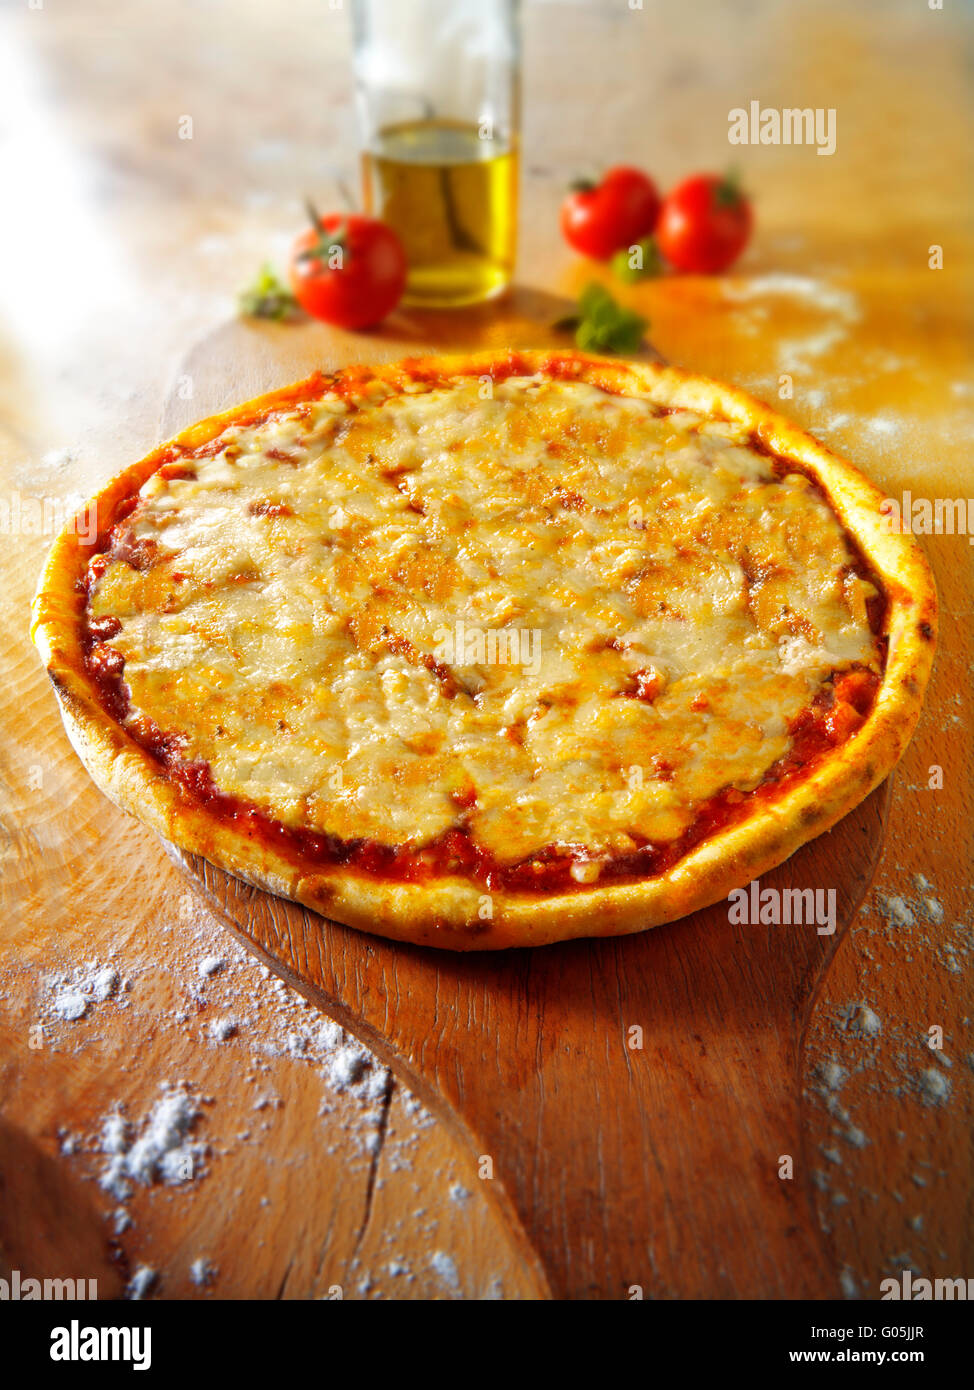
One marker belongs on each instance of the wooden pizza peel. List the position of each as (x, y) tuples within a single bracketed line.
[(633, 1105)]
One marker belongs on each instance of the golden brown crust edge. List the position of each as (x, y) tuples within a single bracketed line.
[(448, 912)]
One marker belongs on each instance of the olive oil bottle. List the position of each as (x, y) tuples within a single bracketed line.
[(451, 195)]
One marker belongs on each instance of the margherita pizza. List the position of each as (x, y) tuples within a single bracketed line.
[(491, 651)]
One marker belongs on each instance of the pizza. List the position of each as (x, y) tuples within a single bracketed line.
[(490, 651)]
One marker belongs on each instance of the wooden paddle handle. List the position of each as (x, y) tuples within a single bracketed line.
[(632, 1103), (663, 1157)]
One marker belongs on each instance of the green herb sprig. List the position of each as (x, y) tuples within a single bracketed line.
[(267, 297), (602, 324)]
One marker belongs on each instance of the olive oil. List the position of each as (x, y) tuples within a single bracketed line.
[(451, 195)]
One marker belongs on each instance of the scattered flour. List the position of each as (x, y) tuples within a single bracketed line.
[(115, 1132), (74, 993), (153, 1145), (887, 425), (841, 306), (817, 294), (281, 1023), (888, 1058), (141, 1283), (162, 1152), (202, 1273), (934, 1086), (104, 983), (861, 1021), (57, 460), (446, 1270), (221, 1029), (163, 1149), (832, 1074), (71, 1004), (896, 910), (856, 1137)]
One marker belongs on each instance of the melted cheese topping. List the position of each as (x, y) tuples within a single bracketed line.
[(546, 614)]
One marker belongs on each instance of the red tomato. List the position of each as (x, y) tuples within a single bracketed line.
[(600, 219), (704, 225), (348, 270)]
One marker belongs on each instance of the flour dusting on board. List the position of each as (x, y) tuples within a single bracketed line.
[(202, 1273), (816, 294), (163, 1150), (874, 1062), (69, 995), (159, 1146), (446, 1269), (861, 1021), (142, 1282), (839, 308)]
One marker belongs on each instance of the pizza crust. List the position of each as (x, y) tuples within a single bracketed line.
[(453, 912)]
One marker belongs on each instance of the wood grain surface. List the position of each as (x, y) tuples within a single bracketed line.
[(312, 1181), (624, 1100)]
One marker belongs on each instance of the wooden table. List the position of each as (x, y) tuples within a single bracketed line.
[(123, 247)]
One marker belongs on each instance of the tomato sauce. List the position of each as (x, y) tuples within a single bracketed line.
[(837, 711)]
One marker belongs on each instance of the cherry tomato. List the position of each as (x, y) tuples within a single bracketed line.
[(348, 270), (704, 224), (599, 219)]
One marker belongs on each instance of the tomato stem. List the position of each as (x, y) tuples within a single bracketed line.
[(327, 241), (728, 193)]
